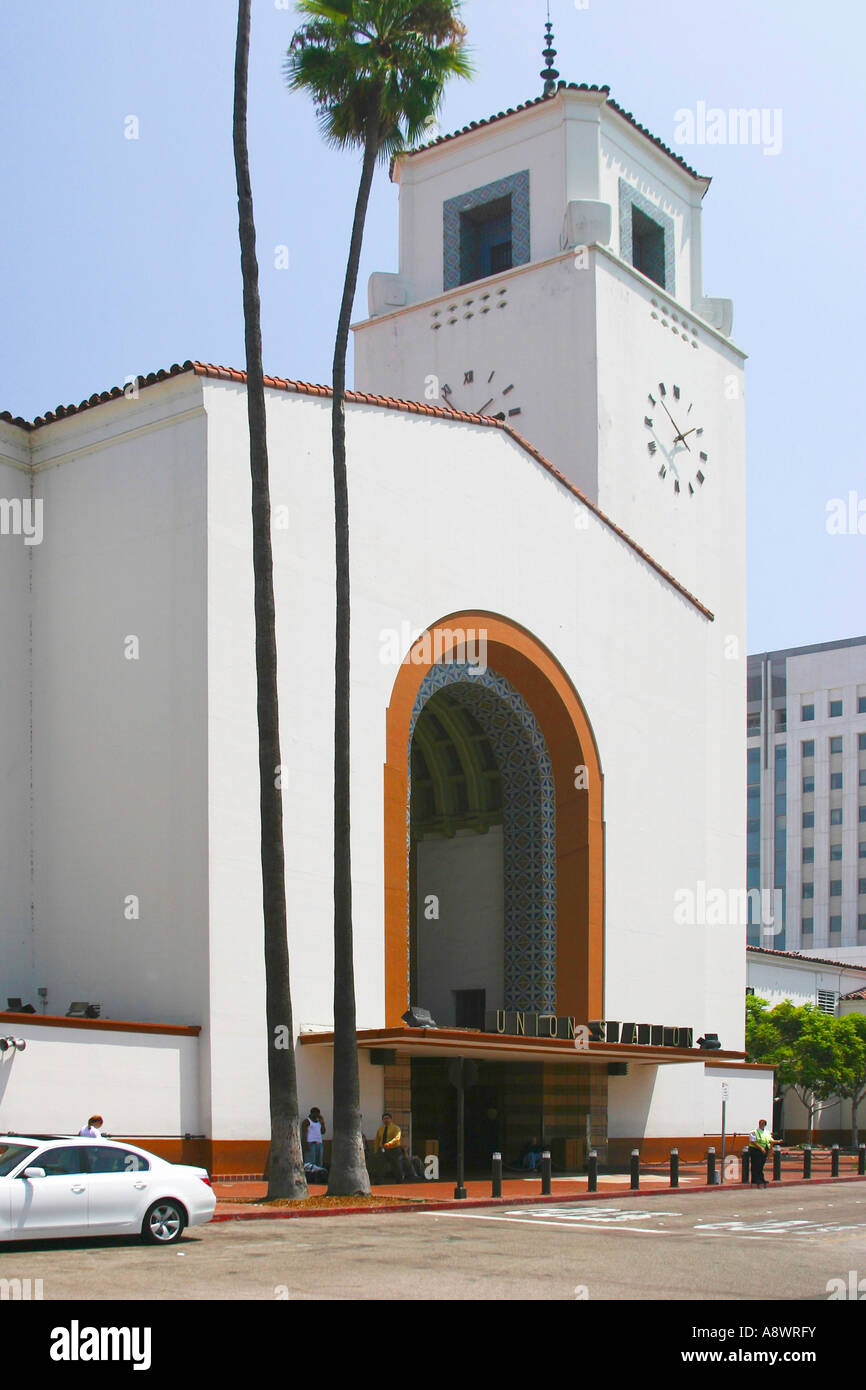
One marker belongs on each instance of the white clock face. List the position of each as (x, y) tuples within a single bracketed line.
[(484, 393), (676, 441)]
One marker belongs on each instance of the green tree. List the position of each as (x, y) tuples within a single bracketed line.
[(852, 1030), (376, 70), (285, 1164)]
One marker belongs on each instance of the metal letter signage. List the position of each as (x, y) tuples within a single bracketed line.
[(520, 1023)]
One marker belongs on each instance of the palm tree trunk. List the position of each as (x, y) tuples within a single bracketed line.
[(285, 1166), (348, 1171)]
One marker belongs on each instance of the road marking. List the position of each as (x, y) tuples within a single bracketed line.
[(559, 1225)]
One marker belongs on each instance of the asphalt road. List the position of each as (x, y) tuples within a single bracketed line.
[(776, 1244)]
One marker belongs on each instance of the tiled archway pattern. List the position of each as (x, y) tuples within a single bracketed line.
[(529, 826)]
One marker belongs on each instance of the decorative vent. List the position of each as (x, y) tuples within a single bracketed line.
[(827, 1001)]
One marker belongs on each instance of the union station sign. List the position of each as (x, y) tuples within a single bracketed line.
[(521, 1023)]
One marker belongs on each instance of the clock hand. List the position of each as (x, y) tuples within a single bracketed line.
[(673, 422)]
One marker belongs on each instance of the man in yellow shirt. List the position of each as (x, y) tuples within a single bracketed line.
[(760, 1143), (387, 1152)]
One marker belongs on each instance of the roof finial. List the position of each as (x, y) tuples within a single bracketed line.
[(549, 72)]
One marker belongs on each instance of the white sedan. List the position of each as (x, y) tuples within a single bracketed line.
[(54, 1187)]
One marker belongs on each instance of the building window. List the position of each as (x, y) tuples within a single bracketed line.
[(807, 712), (646, 237), (835, 852), (827, 1001), (835, 926), (808, 854), (863, 777), (781, 720), (861, 885), (835, 709), (808, 890), (862, 743), (835, 781), (808, 820), (861, 854), (836, 744), (808, 747), (486, 232), (862, 814), (807, 926), (835, 887), (861, 921), (861, 704), (836, 815), (753, 725), (808, 784)]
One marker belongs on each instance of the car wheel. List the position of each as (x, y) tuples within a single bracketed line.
[(163, 1223)]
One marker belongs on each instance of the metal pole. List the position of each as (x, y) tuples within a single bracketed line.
[(861, 1160), (745, 1165), (635, 1170), (723, 1140), (807, 1161), (777, 1164), (460, 1189), (545, 1173), (592, 1166), (675, 1167), (497, 1175), (834, 1161), (712, 1178)]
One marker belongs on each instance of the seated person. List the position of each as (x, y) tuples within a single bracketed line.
[(531, 1155)]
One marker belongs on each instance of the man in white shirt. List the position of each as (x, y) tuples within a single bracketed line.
[(93, 1128)]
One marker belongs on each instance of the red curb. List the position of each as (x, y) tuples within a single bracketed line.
[(281, 1214)]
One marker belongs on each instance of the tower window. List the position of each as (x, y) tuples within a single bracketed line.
[(486, 242), (486, 231), (648, 246)]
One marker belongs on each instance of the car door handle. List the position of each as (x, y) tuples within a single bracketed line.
[(79, 1187), (140, 1184)]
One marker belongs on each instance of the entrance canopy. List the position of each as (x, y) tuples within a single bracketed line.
[(493, 1047)]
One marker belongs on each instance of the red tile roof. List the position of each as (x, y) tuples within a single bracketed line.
[(537, 101), (856, 994), (808, 960), (304, 388)]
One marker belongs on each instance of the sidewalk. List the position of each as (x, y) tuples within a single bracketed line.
[(240, 1199)]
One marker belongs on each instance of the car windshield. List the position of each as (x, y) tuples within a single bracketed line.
[(11, 1155)]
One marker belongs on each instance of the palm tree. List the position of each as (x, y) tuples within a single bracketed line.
[(376, 70), (285, 1165)]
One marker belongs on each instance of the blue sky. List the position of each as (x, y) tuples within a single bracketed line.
[(120, 256)]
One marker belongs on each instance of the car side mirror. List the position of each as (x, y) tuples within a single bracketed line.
[(33, 1173)]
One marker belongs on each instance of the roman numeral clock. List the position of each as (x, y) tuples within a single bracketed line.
[(484, 394), (676, 443)]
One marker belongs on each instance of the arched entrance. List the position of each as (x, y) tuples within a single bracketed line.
[(526, 709)]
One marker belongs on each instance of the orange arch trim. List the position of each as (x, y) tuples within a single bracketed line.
[(516, 654)]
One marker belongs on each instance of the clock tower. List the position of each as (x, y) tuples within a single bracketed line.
[(550, 277)]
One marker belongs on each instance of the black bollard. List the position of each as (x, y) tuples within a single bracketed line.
[(711, 1168), (861, 1161), (777, 1165), (807, 1161), (545, 1173), (746, 1165), (635, 1169), (497, 1175), (834, 1161), (675, 1167), (592, 1168)]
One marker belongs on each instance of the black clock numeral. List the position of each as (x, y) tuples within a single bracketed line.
[(508, 390), (676, 390), (662, 391), (691, 491), (491, 376), (468, 378), (676, 485), (517, 411), (700, 477), (652, 446), (663, 472), (703, 457), (651, 398), (648, 422), (700, 431)]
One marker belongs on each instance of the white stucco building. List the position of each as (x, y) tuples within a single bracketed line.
[(569, 515)]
